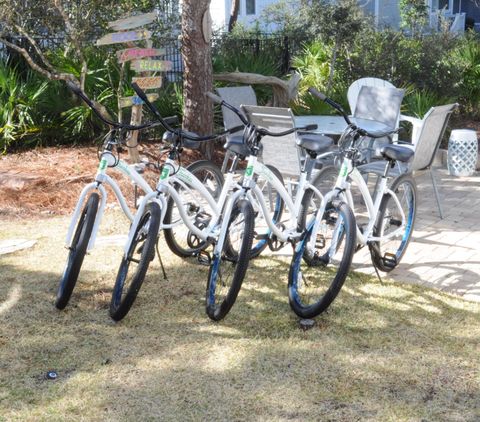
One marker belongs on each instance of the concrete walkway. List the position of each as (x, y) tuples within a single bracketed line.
[(443, 254)]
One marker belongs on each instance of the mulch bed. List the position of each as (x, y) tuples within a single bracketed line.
[(48, 181)]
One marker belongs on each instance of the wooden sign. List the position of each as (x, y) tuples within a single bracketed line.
[(148, 82), (133, 21), (151, 65), (138, 53), (135, 100), (119, 37)]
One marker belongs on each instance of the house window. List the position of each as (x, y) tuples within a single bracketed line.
[(249, 7), (446, 5)]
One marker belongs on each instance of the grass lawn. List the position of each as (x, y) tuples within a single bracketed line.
[(383, 352)]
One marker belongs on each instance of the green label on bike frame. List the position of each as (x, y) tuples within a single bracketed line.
[(165, 173), (249, 171), (344, 170), (103, 164)]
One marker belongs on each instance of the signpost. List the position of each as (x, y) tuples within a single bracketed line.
[(148, 82), (133, 21), (140, 62), (151, 65), (121, 37), (138, 53), (136, 101)]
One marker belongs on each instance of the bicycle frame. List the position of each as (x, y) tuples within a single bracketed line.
[(293, 206), (173, 174), (102, 178), (342, 190)]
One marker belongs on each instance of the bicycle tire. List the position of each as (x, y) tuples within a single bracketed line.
[(184, 244), (145, 237), (259, 247), (310, 299), (77, 251), (219, 302), (386, 218)]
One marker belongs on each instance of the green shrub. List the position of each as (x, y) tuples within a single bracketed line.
[(313, 65), (467, 55), (22, 102)]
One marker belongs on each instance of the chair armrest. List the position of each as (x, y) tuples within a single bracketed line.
[(416, 126), (413, 120)]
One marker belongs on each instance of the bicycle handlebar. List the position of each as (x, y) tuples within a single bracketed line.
[(339, 108), (116, 125), (187, 135), (265, 132)]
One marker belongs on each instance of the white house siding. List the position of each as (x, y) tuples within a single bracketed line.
[(220, 12), (388, 13)]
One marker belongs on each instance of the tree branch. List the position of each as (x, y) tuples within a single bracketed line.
[(34, 44), (73, 36), (50, 74)]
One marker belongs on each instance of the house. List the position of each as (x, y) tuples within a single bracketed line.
[(386, 12)]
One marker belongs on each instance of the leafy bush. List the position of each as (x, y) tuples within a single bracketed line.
[(467, 55), (22, 107)]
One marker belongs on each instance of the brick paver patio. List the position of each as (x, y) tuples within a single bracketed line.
[(443, 254)]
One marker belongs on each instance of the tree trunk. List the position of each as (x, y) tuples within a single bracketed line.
[(197, 59), (233, 14)]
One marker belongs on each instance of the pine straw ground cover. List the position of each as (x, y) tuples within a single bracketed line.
[(384, 352)]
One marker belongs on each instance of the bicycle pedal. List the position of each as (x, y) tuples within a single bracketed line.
[(395, 222), (389, 260), (204, 258)]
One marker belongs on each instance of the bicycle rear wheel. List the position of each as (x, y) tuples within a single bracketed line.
[(77, 251), (316, 275), (134, 265), (228, 268), (180, 239), (387, 253)]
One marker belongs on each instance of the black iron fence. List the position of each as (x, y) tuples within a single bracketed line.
[(280, 48)]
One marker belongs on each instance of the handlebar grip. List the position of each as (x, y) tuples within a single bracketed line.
[(215, 98), (311, 127), (316, 93)]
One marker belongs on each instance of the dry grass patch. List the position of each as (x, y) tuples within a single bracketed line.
[(383, 352)]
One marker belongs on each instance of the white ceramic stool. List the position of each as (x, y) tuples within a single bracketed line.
[(462, 152)]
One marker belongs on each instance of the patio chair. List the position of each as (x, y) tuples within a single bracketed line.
[(282, 152), (381, 104), (236, 96), (432, 129), (354, 89)]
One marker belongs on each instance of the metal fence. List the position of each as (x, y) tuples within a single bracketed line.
[(280, 48)]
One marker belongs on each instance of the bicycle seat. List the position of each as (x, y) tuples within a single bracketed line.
[(397, 153), (171, 137), (237, 145), (314, 142)]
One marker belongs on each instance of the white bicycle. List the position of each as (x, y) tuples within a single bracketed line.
[(90, 208), (391, 215)]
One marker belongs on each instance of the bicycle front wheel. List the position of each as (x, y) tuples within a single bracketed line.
[(77, 251), (134, 265), (317, 272), (394, 224), (228, 268), (179, 238)]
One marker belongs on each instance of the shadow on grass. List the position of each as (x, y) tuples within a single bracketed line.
[(380, 351)]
